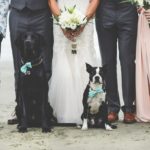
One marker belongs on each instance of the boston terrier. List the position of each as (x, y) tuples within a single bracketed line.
[(95, 106)]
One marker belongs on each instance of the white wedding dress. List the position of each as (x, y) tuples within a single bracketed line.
[(69, 76)]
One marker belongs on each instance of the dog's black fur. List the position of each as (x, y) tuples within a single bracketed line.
[(101, 117), (33, 109)]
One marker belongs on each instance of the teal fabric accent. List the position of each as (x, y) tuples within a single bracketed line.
[(93, 93), (25, 67)]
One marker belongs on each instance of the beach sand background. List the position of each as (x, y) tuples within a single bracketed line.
[(132, 137)]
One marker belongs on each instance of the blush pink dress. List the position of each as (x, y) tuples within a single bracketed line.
[(143, 71)]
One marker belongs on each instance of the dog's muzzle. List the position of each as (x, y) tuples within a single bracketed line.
[(97, 79)]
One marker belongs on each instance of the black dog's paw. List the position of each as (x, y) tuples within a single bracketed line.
[(114, 126), (22, 129), (46, 130)]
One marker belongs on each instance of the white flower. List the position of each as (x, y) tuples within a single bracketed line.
[(140, 2), (73, 26), (71, 18)]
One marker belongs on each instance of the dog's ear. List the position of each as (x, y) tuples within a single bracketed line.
[(88, 68)]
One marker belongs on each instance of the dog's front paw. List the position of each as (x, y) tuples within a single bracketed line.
[(85, 124), (46, 130), (84, 128), (22, 129), (108, 127)]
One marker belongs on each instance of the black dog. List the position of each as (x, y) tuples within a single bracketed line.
[(95, 107), (33, 109)]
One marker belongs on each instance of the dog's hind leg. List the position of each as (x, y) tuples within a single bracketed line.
[(23, 121), (103, 112), (45, 127), (44, 120)]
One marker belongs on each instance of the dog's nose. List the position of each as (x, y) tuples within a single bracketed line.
[(27, 44), (27, 41), (97, 79)]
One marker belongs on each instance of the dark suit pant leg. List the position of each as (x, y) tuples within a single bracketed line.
[(108, 47), (44, 26), (36, 21), (127, 47), (13, 24), (40, 21)]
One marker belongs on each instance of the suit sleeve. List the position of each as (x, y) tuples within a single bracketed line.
[(4, 7)]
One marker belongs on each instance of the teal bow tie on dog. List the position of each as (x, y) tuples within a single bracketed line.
[(25, 67), (93, 93)]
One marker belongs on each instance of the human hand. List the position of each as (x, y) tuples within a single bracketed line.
[(78, 31), (140, 9), (147, 15), (68, 34), (71, 34)]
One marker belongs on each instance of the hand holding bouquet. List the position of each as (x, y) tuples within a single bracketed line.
[(142, 5), (147, 15), (72, 22)]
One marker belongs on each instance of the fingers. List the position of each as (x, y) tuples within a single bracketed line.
[(78, 31), (67, 34), (70, 34), (140, 10), (147, 14)]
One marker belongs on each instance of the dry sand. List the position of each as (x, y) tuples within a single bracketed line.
[(131, 137)]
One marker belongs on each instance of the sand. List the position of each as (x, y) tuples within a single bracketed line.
[(131, 137), (126, 137)]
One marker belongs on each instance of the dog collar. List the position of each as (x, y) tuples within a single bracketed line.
[(25, 67), (93, 93), (28, 65)]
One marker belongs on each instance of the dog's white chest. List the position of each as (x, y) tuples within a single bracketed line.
[(95, 102)]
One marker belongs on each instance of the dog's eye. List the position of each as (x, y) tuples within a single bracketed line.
[(93, 72)]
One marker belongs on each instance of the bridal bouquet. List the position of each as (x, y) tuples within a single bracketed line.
[(140, 3), (71, 19)]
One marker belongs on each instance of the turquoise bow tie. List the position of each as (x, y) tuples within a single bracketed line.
[(93, 93), (25, 67)]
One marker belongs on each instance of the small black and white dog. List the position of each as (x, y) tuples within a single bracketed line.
[(94, 103), (33, 109)]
